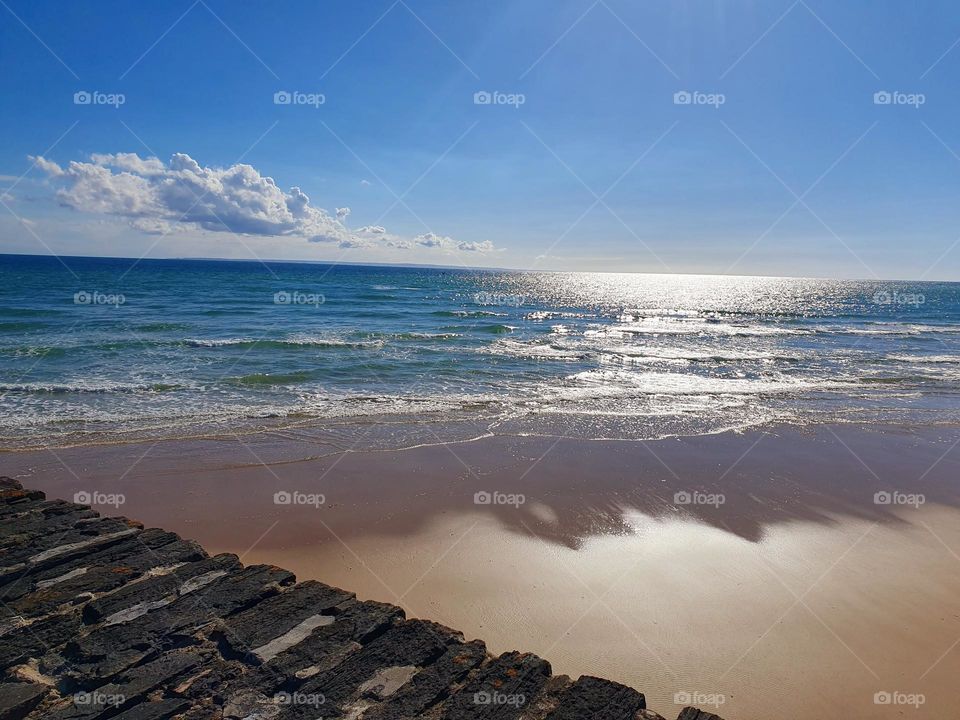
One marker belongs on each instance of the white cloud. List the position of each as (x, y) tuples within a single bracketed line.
[(158, 198), (433, 240)]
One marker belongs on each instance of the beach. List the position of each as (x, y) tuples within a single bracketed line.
[(749, 573)]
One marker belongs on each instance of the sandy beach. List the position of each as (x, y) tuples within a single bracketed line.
[(751, 574)]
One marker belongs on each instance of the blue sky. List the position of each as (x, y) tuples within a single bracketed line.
[(783, 163)]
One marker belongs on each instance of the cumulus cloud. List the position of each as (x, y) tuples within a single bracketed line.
[(433, 240), (157, 197)]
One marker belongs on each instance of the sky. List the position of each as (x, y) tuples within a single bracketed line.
[(778, 137)]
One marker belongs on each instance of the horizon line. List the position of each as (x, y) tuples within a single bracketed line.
[(434, 266)]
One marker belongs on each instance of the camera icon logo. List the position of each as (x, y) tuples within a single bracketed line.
[(682, 498), (482, 698), (882, 498), (282, 298), (482, 97), (82, 97), (682, 698), (482, 498), (82, 497), (882, 97), (882, 698), (82, 298), (682, 97), (282, 497), (282, 97)]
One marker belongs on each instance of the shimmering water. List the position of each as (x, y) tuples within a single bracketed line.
[(109, 349)]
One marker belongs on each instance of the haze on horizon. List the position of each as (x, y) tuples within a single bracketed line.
[(787, 138)]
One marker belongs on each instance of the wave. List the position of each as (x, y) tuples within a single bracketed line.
[(659, 327), (534, 351), (41, 351), (85, 386), (539, 315), (21, 326), (291, 342), (649, 354), (618, 384), (926, 359), (425, 336), (271, 379), (162, 327), (468, 313)]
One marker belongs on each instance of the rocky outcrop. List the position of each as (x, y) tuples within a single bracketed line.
[(104, 620)]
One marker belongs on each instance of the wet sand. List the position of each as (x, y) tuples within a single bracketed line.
[(783, 589)]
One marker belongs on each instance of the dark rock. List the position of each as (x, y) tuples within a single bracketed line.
[(130, 557), (153, 592), (36, 524), (414, 643), (591, 698), (49, 551), (430, 685), (280, 622), (692, 713), (357, 624), (162, 710), (131, 687), (109, 649), (33, 640), (18, 699), (17, 495), (501, 690)]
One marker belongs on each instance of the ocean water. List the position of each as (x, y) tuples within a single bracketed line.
[(116, 350)]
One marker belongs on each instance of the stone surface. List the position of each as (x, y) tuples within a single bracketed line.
[(18, 699), (501, 690), (692, 713), (591, 698)]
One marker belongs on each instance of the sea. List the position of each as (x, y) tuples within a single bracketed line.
[(106, 350)]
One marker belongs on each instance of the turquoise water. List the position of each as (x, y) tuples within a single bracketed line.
[(95, 350)]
